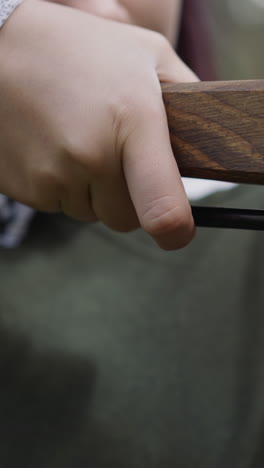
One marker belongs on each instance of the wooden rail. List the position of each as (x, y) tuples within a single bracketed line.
[(217, 129)]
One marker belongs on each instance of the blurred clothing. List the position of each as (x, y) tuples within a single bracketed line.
[(195, 39)]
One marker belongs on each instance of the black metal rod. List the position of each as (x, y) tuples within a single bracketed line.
[(228, 218)]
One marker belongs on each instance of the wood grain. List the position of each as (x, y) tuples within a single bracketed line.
[(217, 129)]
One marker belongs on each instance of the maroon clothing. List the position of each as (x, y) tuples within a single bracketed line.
[(194, 44)]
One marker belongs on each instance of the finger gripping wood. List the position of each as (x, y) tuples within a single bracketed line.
[(217, 129)]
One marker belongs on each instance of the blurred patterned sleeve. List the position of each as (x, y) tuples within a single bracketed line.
[(6, 9)]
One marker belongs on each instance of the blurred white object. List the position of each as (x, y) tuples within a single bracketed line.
[(247, 12), (199, 188)]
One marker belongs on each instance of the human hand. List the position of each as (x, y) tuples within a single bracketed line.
[(83, 125), (158, 16), (109, 9)]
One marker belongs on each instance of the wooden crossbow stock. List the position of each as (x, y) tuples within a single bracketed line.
[(217, 132)]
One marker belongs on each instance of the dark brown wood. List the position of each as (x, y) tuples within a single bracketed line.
[(217, 129)]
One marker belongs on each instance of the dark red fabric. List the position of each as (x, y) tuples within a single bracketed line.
[(195, 39)]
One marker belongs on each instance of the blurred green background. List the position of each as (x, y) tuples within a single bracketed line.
[(238, 34)]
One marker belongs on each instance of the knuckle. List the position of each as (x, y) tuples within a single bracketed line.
[(135, 101), (83, 158), (123, 117), (122, 109), (74, 150), (132, 115), (133, 106), (51, 188), (161, 41), (51, 179)]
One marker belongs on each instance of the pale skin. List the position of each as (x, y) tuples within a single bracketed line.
[(83, 125), (161, 16)]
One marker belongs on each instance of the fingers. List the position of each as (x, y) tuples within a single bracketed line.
[(169, 66), (150, 168), (154, 180), (77, 203), (110, 9), (112, 203), (155, 197)]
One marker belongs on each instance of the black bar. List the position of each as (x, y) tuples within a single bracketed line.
[(228, 218)]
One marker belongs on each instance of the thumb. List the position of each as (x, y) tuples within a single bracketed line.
[(150, 168), (154, 181)]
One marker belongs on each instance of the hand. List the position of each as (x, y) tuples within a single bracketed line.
[(83, 125), (109, 9), (162, 16)]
